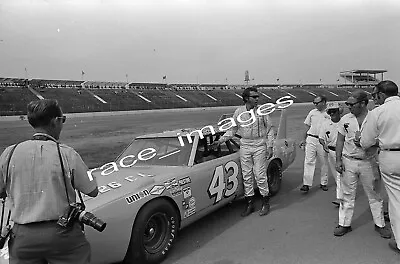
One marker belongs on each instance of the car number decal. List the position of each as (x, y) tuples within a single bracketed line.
[(218, 188), (109, 186)]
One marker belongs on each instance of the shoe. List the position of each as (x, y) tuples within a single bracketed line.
[(386, 216), (265, 206), (323, 187), (305, 188), (393, 246), (336, 202), (341, 230), (249, 206), (383, 231)]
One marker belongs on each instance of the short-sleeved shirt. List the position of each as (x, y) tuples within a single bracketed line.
[(261, 129), (383, 123), (35, 187), (348, 126), (315, 119), (328, 132)]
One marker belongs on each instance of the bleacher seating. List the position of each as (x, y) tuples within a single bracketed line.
[(13, 100)]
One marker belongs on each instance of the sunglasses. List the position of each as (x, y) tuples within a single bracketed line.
[(375, 94), (254, 96), (352, 104), (63, 118), (317, 103), (331, 112)]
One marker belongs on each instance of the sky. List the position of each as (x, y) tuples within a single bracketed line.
[(199, 41)]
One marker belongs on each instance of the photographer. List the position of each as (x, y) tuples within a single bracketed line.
[(42, 175)]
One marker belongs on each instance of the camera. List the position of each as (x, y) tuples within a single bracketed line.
[(76, 212)]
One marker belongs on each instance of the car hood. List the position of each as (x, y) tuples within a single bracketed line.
[(130, 180)]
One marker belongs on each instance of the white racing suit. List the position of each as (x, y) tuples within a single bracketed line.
[(253, 157)]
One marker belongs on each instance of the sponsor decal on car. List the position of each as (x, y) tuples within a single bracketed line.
[(171, 183), (189, 212), (157, 189), (184, 181), (137, 196), (175, 191), (187, 192), (4, 252), (192, 202)]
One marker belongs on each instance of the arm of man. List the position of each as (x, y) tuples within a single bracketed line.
[(339, 149), (369, 131), (322, 138), (229, 133), (307, 125), (82, 182), (3, 167)]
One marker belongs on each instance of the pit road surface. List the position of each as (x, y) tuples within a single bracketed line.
[(299, 228)]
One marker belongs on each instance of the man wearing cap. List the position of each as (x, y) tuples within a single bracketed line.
[(313, 147), (355, 163), (327, 137), (382, 126)]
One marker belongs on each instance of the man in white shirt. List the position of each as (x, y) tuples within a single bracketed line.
[(327, 137), (382, 127), (255, 148), (313, 147), (355, 163)]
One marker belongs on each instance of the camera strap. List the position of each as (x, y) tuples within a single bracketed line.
[(64, 176)]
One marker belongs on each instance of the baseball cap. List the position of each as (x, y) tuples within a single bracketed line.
[(332, 105)]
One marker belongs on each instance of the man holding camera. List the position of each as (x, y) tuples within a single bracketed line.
[(39, 176)]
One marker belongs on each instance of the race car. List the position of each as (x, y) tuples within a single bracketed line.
[(162, 183)]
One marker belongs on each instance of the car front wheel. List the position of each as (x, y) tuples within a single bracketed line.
[(153, 234), (274, 173)]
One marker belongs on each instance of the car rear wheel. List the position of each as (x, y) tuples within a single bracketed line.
[(153, 234), (274, 173)]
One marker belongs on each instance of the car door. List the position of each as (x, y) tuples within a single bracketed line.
[(216, 174)]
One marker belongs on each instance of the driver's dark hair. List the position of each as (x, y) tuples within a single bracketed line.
[(41, 112), (246, 93), (388, 87)]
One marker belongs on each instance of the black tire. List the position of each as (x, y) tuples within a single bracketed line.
[(274, 172), (153, 233)]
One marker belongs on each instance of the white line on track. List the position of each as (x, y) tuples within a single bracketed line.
[(238, 96), (144, 98), (266, 95)]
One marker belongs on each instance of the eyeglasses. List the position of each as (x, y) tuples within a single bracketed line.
[(63, 118), (352, 104), (254, 96), (333, 111), (316, 103)]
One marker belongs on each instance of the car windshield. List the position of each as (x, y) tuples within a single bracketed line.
[(167, 152)]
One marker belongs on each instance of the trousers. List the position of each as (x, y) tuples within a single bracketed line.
[(390, 172), (367, 172), (335, 174), (312, 150), (252, 160), (47, 242)]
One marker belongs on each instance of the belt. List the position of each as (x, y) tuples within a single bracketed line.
[(332, 148), (392, 149), (39, 223), (312, 136), (356, 158)]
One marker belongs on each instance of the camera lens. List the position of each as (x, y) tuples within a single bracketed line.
[(91, 220)]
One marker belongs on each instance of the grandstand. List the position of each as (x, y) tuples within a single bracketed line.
[(362, 78), (95, 96)]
